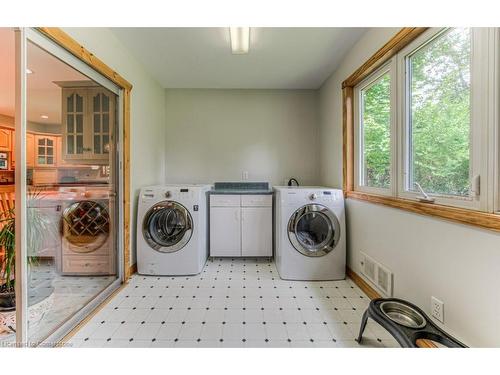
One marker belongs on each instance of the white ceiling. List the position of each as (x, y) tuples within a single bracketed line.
[(44, 96), (279, 58)]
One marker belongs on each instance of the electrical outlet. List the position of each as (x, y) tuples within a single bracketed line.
[(437, 309), (244, 175)]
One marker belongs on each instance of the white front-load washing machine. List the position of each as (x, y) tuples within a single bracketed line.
[(310, 233), (172, 230)]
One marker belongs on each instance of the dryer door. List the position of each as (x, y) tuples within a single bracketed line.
[(167, 226), (314, 230)]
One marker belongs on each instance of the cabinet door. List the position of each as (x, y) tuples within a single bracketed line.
[(50, 246), (45, 151), (256, 231), (30, 150), (13, 150), (5, 139), (225, 231), (102, 109), (74, 113), (59, 152)]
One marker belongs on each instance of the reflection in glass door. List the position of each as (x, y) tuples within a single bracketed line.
[(70, 178), (9, 163)]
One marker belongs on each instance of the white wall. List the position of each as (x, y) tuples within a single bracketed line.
[(147, 112), (215, 135), (429, 257)]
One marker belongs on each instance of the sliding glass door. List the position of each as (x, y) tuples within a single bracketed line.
[(66, 221)]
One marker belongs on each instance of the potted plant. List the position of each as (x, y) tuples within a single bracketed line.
[(7, 257), (39, 228)]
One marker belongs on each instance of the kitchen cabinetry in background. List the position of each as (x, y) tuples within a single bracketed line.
[(241, 225), (30, 150), (51, 244), (59, 154), (13, 150), (5, 139), (45, 149), (88, 116)]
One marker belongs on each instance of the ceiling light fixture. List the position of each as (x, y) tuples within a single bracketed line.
[(29, 71), (45, 117), (240, 40)]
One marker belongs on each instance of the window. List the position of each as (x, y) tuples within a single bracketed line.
[(422, 121), (375, 130), (373, 137), (439, 114)]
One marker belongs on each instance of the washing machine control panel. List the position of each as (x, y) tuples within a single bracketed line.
[(174, 194)]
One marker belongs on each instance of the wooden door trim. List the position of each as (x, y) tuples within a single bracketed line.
[(71, 45)]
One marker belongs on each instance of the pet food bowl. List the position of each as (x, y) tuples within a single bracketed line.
[(403, 314)]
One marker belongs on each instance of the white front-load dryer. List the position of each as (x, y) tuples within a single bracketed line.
[(310, 233), (172, 230)]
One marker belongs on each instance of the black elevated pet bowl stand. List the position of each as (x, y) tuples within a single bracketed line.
[(406, 323)]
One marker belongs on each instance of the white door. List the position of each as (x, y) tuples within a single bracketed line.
[(256, 232), (225, 231)]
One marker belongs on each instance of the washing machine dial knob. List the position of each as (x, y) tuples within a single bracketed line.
[(168, 194), (313, 196)]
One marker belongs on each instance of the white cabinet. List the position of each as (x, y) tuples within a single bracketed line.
[(225, 232), (256, 231), (241, 225), (88, 122)]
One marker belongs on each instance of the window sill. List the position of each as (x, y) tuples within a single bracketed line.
[(459, 215)]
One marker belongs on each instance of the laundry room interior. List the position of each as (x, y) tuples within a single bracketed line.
[(250, 187)]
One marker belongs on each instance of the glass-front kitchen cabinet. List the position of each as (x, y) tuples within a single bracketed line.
[(45, 151), (88, 113)]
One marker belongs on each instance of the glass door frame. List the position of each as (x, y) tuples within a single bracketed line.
[(22, 36)]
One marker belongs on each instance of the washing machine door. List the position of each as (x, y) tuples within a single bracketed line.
[(167, 226), (314, 230)]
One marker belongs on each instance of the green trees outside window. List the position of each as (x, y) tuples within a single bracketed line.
[(376, 128), (437, 89), (439, 108)]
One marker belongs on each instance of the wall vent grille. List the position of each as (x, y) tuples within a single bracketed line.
[(380, 276)]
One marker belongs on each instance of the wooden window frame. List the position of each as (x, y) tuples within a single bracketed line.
[(399, 41), (76, 49)]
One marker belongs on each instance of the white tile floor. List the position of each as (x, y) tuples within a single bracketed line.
[(232, 303)]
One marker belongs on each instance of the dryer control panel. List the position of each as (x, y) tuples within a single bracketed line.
[(327, 195), (304, 196)]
